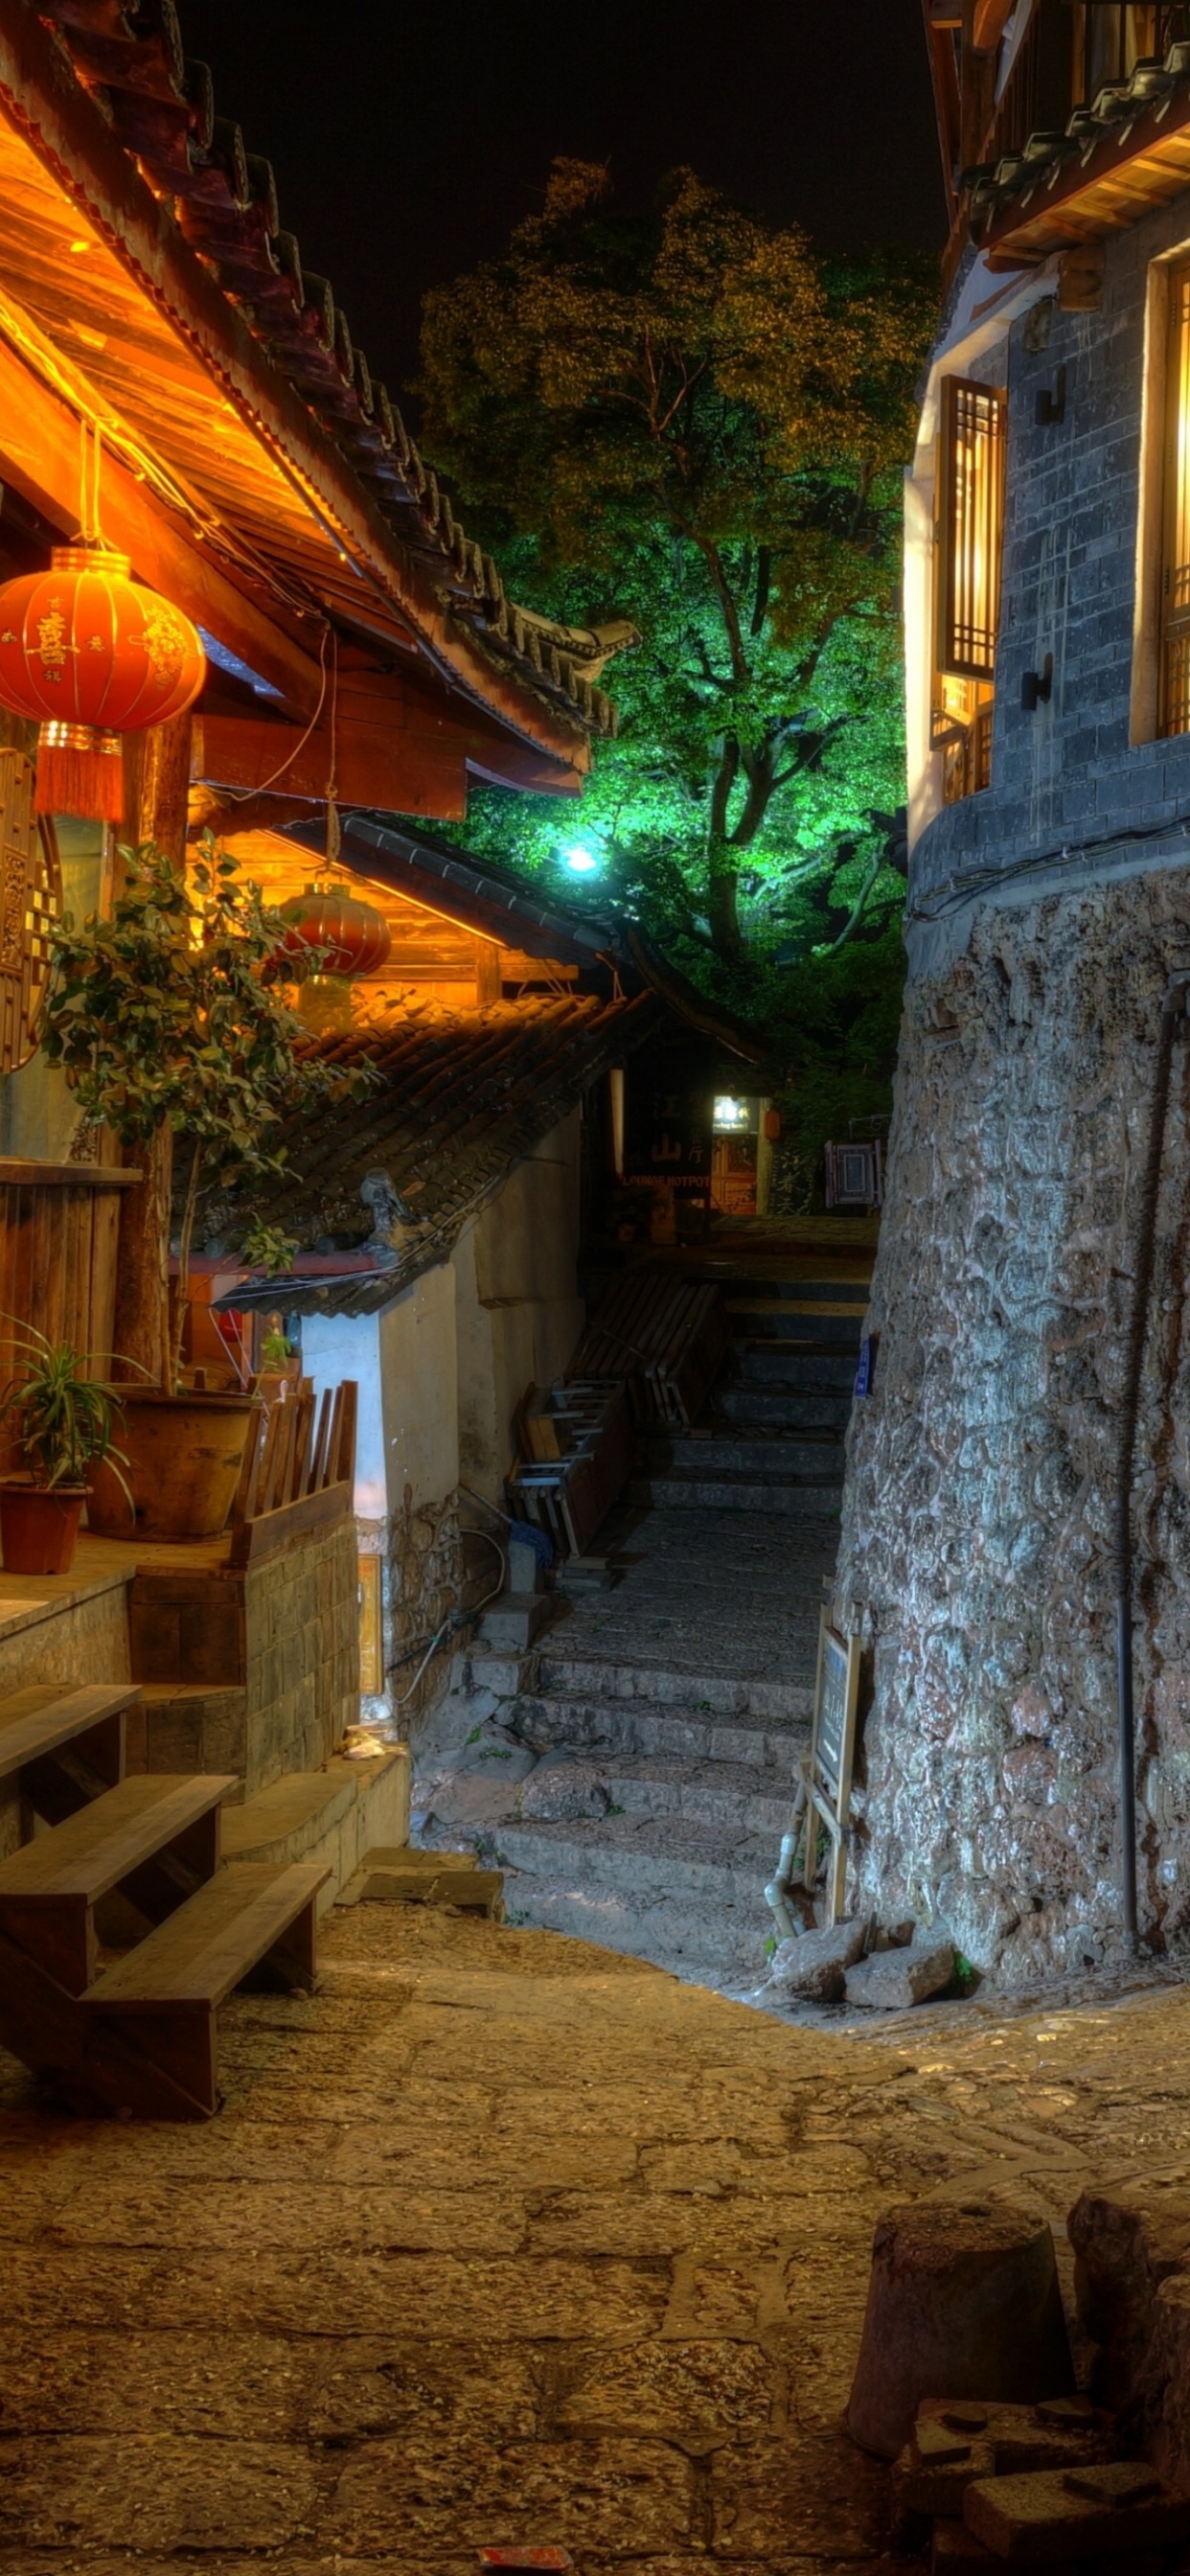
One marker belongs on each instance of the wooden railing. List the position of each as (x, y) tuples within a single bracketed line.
[(298, 1472)]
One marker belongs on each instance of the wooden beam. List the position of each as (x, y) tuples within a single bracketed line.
[(39, 455), (378, 764)]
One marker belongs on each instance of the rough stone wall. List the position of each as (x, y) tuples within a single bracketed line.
[(427, 1578), (976, 1543)]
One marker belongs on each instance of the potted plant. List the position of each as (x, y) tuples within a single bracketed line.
[(169, 1021), (62, 1421)]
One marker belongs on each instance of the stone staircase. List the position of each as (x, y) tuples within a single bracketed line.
[(634, 1772)]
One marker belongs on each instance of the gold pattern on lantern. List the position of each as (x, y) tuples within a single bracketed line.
[(51, 640), (164, 640)]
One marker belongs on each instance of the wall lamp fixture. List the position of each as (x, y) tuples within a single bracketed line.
[(1050, 406), (1037, 687)]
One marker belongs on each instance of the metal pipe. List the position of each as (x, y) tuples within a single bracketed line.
[(1173, 1010)]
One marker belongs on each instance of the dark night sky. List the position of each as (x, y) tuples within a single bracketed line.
[(408, 140)]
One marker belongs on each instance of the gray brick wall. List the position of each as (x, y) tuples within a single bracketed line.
[(1067, 775)]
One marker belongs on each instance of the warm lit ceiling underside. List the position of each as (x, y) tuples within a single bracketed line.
[(92, 336)]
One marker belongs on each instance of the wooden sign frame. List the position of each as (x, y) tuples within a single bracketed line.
[(832, 1758)]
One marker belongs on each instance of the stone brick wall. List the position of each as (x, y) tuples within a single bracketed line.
[(976, 1543), (1067, 776), (301, 1612)]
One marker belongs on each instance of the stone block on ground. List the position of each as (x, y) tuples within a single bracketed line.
[(1056, 2515), (447, 1879), (957, 2552), (893, 1979), (954, 2443), (960, 2298), (814, 1964), (1125, 2248)]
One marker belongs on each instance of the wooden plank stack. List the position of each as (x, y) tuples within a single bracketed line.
[(297, 1472), (664, 1338), (578, 1446)]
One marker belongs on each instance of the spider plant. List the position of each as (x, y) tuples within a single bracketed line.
[(63, 1420)]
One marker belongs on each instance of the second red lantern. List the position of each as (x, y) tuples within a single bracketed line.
[(92, 655), (353, 938)]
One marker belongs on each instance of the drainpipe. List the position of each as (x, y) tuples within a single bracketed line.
[(1173, 1024)]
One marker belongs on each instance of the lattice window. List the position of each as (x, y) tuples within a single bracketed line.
[(30, 905), (970, 526)]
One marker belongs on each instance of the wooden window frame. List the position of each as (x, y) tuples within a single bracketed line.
[(957, 546)]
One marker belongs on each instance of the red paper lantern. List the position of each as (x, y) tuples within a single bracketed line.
[(92, 655), (353, 937)]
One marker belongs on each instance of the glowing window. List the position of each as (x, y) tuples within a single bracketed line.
[(1175, 576), (968, 544)]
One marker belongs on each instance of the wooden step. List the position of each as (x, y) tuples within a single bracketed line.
[(154, 1836), (161, 2000), (68, 1745)]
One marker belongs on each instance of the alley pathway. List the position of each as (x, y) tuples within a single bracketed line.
[(634, 1773), (503, 2239)]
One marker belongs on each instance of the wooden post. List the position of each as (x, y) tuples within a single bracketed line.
[(157, 787)]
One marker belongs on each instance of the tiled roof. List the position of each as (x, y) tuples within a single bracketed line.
[(1111, 115), (161, 108), (462, 1098)]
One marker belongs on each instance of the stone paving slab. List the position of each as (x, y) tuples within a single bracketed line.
[(503, 2237)]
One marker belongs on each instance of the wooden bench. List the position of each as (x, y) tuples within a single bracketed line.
[(68, 1745), (160, 2002), (154, 1836)]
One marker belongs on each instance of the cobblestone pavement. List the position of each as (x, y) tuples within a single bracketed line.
[(503, 2238)]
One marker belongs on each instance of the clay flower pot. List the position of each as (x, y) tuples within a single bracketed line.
[(39, 1525), (184, 1456)]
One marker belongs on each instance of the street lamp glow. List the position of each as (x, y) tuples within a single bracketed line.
[(582, 861)]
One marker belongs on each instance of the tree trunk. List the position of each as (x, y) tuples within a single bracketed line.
[(723, 903), (157, 789), (141, 1331)]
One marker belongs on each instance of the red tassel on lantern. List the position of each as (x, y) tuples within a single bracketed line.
[(92, 655)]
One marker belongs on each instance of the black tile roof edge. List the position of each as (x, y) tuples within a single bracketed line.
[(1113, 110), (486, 896), (160, 107), (594, 1036)]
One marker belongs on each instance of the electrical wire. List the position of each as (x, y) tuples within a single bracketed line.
[(458, 1617), (963, 889), (241, 795)]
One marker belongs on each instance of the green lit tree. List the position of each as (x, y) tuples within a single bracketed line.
[(695, 422)]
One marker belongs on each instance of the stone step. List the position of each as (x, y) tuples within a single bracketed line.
[(757, 1452), (729, 1795), (334, 1815), (617, 1727), (684, 1489), (833, 1293), (725, 1946), (775, 1319), (781, 1408), (780, 1702), (659, 1856), (766, 1364)]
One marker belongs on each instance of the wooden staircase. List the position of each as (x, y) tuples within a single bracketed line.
[(136, 1859)]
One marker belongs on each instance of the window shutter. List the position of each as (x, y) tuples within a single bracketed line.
[(970, 526)]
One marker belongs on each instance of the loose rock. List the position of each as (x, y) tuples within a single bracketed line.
[(814, 1964), (895, 1978)]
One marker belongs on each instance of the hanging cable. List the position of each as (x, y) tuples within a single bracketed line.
[(241, 795)]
